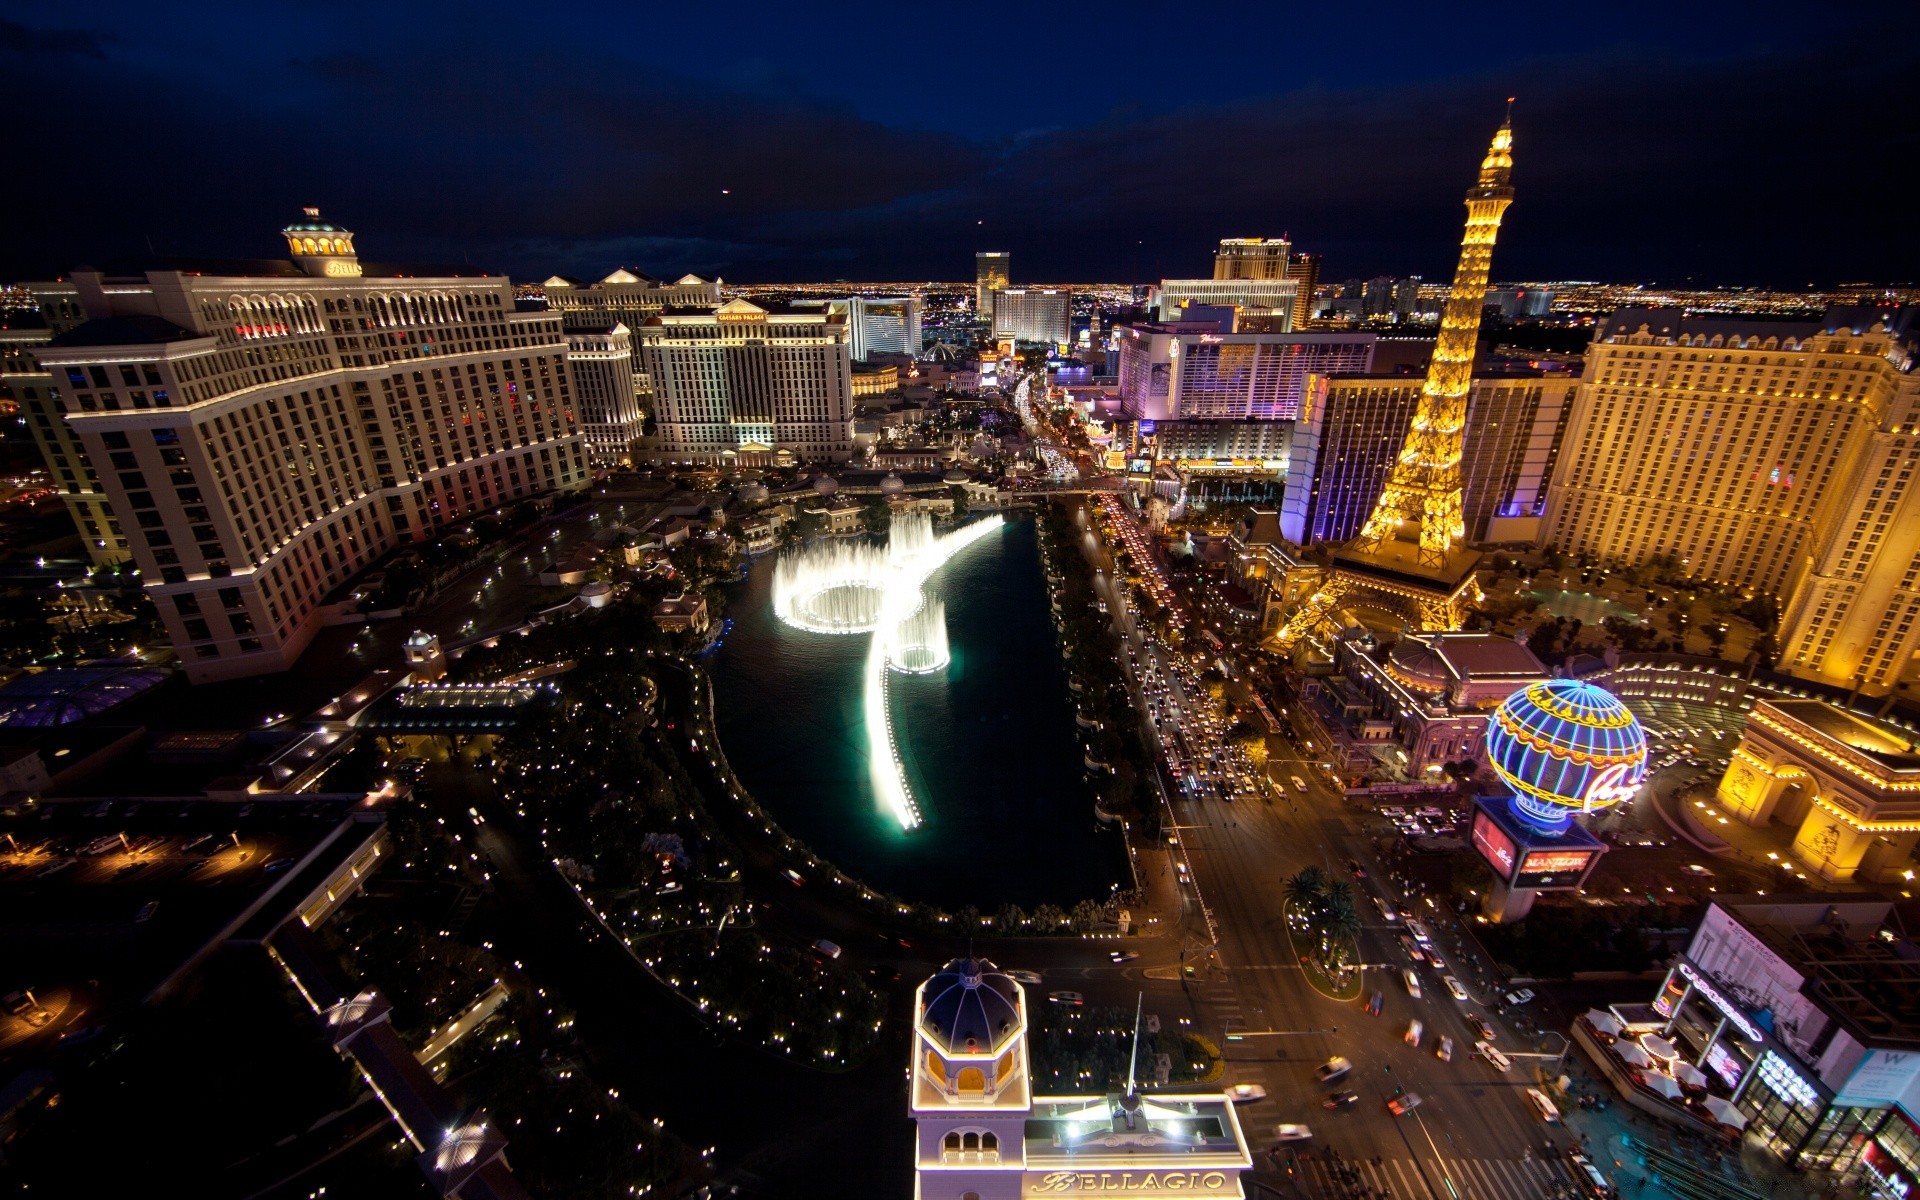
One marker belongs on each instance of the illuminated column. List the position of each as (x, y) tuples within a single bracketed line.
[(1425, 485)]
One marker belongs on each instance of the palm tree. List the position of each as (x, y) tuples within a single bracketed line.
[(1338, 914), (1305, 888)]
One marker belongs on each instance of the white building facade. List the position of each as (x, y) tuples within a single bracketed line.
[(263, 436), (750, 386)]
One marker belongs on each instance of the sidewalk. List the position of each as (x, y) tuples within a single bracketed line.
[(1618, 1138)]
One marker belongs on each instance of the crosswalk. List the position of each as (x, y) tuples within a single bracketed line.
[(1429, 1179)]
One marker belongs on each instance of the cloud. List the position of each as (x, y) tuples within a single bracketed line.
[(1630, 164)]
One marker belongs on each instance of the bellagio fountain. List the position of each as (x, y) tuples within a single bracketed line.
[(858, 587)]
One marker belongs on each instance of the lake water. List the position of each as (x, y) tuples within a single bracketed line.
[(990, 745)]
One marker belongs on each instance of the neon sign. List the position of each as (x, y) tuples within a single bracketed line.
[(1733, 1011), (1086, 1183), (1612, 785), (1494, 845)]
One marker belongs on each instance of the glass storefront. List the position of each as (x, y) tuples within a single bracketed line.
[(1782, 1106)]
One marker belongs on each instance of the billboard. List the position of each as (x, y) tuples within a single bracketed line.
[(1883, 1077), (1494, 845), (1726, 1064), (1552, 868)]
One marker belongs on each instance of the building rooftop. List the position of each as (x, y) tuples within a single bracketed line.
[(971, 1007), (123, 331), (1881, 743), (1488, 655), (67, 694), (137, 269), (1856, 961)]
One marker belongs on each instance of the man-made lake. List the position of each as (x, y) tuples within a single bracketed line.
[(990, 744)]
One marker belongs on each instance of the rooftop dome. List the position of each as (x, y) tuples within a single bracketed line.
[(970, 1007), (753, 493), (892, 485), (1563, 744), (958, 476), (311, 222), (1416, 663), (826, 485)]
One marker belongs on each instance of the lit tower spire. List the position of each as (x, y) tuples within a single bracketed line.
[(1425, 485)]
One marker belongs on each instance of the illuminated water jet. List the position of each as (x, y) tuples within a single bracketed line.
[(844, 589)]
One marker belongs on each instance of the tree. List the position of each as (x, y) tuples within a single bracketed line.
[(876, 514), (959, 501), (1306, 887)]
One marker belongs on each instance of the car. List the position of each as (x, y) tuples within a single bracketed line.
[(794, 878), (1444, 1051), (1454, 986), (146, 912), (277, 865), (1027, 977), (1403, 1104), (1386, 908), (1590, 1178), (826, 949), (1359, 872), (1340, 1100), (1480, 1026), (1419, 932), (1069, 998), (1121, 956), (1332, 1069), (1374, 1002), (1543, 1107), (1414, 1030), (1495, 1059), (1435, 961), (1291, 1133), (1413, 982), (15, 1004), (1523, 996), (1246, 1093), (1299, 784), (1181, 869)]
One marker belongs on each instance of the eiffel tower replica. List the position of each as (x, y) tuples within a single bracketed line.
[(1409, 558)]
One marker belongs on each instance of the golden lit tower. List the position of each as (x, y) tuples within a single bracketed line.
[(1408, 558), (1425, 485)]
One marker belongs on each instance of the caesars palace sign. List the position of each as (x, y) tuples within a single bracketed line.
[(1098, 1183)]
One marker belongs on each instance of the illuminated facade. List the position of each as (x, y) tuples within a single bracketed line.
[(748, 385), (1351, 429), (880, 324), (1408, 558), (1263, 303), (1799, 1013), (1745, 447), (1033, 315), (265, 431), (601, 363), (1849, 785), (28, 385), (1252, 258), (981, 1133), (992, 272), (1185, 374)]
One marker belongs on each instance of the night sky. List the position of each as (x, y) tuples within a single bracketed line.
[(1717, 143)]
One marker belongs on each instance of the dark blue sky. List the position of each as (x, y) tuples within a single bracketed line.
[(1720, 142)]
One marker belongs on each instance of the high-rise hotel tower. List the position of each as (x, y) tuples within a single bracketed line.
[(265, 429), (1773, 456)]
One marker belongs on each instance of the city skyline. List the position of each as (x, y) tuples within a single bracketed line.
[(1663, 154)]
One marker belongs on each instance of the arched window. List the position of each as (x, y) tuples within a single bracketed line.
[(970, 1141), (990, 1141), (951, 1143)]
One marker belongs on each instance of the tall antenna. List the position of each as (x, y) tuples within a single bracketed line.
[(1133, 1060)]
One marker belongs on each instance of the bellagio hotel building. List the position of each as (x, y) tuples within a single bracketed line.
[(264, 430), (1774, 456)]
